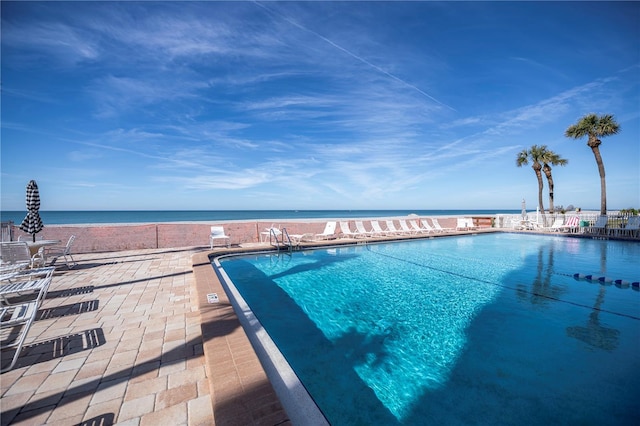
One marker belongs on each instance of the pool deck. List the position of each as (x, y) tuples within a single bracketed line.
[(119, 340), (129, 338)]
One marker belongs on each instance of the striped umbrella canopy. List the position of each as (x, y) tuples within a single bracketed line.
[(32, 223)]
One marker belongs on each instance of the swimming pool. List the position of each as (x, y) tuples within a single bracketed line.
[(459, 330)]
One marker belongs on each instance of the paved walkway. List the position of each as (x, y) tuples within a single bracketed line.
[(117, 341)]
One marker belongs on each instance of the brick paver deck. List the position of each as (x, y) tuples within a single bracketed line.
[(119, 340)]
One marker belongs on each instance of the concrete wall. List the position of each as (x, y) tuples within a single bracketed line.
[(115, 237)]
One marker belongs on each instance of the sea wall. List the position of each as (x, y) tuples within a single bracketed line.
[(116, 237)]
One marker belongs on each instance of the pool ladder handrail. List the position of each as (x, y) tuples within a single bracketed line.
[(274, 236)]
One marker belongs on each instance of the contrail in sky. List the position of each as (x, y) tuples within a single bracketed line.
[(364, 61)]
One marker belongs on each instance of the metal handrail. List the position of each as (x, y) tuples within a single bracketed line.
[(272, 236), (285, 233)]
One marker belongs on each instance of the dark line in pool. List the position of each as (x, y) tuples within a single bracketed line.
[(504, 286)]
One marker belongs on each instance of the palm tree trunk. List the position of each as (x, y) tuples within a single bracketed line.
[(540, 202), (547, 172), (603, 183)]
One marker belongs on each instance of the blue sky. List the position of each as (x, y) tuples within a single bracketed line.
[(314, 105)]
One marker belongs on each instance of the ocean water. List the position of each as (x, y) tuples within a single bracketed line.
[(162, 216)]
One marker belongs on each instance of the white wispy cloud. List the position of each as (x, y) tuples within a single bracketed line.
[(51, 39), (346, 51), (119, 95)]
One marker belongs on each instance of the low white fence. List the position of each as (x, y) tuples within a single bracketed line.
[(7, 231), (586, 219)]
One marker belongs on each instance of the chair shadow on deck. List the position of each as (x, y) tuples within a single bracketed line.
[(106, 419), (66, 310), (69, 292), (58, 347)]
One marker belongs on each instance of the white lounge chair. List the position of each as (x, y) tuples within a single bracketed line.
[(439, 228), (572, 224), (269, 233), (296, 239), (404, 227), (419, 229), (16, 275), (34, 285), (425, 225), (361, 229), (217, 233), (15, 322), (557, 224), (63, 252), (346, 232), (329, 231), (8, 269), (391, 228), (377, 230), (20, 297), (17, 252)]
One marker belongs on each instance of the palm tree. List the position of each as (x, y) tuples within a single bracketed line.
[(595, 128), (535, 154), (551, 158)]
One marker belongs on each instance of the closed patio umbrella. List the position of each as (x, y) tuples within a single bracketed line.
[(524, 210), (32, 223)]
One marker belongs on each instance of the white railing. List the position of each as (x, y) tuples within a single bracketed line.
[(7, 231), (536, 220)]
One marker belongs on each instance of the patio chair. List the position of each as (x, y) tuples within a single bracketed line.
[(20, 297), (632, 228), (30, 287), (329, 231), (12, 268), (361, 229), (217, 233), (296, 239), (17, 252), (346, 232), (391, 228), (557, 224), (571, 225), (64, 252), (377, 230), (600, 226), (437, 226), (10, 276), (273, 230), (404, 227), (419, 229), (15, 322), (425, 225)]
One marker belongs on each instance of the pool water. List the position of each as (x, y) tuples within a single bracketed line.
[(486, 329)]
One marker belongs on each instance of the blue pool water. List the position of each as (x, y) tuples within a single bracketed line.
[(487, 329)]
